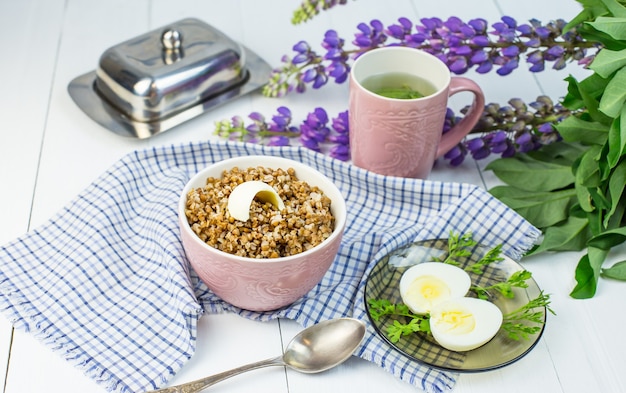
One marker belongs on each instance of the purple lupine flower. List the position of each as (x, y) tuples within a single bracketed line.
[(554, 53), (401, 30), (430, 24), (479, 57), (371, 36), (478, 148), (309, 75), (340, 152), (341, 122), (524, 138), (510, 51), (504, 32), (525, 29), (258, 122), (256, 117), (310, 142), (480, 40), (453, 24), (237, 121), (304, 53), (313, 130), (537, 67), (535, 57), (510, 22), (456, 155), (278, 140), (448, 40), (479, 25), (462, 50), (545, 128), (507, 67), (543, 32), (316, 75), (339, 71), (534, 42), (484, 67), (498, 141), (415, 40), (340, 126), (332, 40), (459, 65), (281, 120)]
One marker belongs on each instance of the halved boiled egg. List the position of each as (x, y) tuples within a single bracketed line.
[(241, 198), (464, 323), (425, 285)]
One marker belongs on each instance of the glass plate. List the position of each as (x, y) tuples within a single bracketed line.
[(383, 283)]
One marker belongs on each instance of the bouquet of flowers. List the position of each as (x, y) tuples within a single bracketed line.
[(562, 163)]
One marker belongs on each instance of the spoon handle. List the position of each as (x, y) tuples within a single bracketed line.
[(202, 383)]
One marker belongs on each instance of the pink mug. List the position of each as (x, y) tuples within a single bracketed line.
[(403, 137)]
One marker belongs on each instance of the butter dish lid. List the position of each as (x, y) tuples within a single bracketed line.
[(157, 80)]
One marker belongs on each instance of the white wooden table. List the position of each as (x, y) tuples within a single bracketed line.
[(50, 151)]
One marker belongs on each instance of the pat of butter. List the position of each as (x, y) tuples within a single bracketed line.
[(242, 196)]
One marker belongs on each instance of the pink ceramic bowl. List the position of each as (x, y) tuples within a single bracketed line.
[(262, 284)]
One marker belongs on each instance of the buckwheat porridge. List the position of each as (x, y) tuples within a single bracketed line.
[(305, 221)]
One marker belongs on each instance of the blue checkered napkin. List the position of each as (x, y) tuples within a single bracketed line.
[(105, 282)]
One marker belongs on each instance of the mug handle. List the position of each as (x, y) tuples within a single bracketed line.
[(463, 127)]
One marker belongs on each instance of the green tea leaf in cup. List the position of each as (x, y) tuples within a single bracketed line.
[(399, 85), (403, 92)]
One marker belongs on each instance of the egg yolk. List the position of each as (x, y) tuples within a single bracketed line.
[(426, 290), (456, 321)]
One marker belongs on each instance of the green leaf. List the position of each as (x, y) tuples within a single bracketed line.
[(587, 170), (617, 139), (615, 8), (574, 129), (526, 173), (562, 153), (591, 10), (612, 26), (590, 34), (573, 100), (617, 271), (617, 183), (571, 235), (591, 91), (614, 95), (586, 283), (608, 61), (542, 209), (609, 238), (587, 273), (584, 197), (600, 200)]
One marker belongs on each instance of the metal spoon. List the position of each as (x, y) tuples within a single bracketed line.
[(315, 349)]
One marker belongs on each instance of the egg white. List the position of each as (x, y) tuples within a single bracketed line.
[(465, 323), (425, 285)]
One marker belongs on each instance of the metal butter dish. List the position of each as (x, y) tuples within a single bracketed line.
[(160, 79)]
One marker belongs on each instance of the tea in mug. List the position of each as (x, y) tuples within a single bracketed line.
[(399, 85)]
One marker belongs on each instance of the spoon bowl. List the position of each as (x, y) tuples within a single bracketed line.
[(313, 350)]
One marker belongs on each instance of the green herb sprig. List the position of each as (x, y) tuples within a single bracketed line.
[(505, 288), (518, 324), (379, 308), (460, 247)]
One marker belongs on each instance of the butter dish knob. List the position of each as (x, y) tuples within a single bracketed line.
[(172, 39)]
